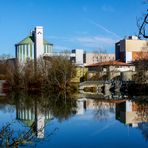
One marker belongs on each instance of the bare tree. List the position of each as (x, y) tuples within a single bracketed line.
[(61, 72), (142, 23)]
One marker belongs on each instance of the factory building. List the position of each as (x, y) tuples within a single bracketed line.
[(33, 46)]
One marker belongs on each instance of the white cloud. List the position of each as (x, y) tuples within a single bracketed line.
[(60, 47), (95, 41), (83, 41)]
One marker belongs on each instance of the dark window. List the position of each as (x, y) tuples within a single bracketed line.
[(73, 51), (84, 58)]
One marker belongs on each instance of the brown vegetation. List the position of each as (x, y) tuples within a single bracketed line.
[(44, 73), (141, 75)]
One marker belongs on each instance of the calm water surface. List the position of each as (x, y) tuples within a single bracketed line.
[(88, 123)]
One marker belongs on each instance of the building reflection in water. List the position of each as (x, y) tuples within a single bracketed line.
[(126, 111), (81, 106), (102, 109), (33, 115), (131, 113)]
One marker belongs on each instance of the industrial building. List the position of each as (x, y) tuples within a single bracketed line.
[(33, 46), (131, 49)]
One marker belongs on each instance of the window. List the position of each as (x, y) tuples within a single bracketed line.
[(31, 52), (74, 51)]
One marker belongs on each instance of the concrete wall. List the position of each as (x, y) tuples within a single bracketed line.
[(131, 49), (39, 47), (81, 73), (113, 71), (98, 57), (136, 45), (127, 76), (121, 68)]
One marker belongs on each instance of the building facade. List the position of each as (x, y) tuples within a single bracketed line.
[(33, 46), (111, 70), (80, 57), (92, 58), (131, 49)]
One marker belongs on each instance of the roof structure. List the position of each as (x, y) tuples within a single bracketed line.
[(109, 63), (29, 40)]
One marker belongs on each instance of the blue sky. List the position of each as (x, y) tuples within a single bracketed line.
[(68, 24)]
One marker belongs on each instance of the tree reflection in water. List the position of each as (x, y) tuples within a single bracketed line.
[(35, 112), (143, 114), (104, 109)]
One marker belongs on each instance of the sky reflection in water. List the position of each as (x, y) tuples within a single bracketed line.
[(78, 123)]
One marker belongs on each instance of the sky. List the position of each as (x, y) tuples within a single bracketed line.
[(68, 24)]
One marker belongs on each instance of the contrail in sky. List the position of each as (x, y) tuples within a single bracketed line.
[(104, 28)]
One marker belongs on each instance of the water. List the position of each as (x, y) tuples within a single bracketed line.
[(56, 122)]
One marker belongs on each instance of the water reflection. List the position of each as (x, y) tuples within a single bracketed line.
[(131, 113), (36, 112), (33, 114), (134, 114)]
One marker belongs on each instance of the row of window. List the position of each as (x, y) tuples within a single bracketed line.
[(24, 52), (29, 114), (103, 57), (47, 49)]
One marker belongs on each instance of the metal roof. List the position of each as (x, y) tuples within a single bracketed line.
[(109, 63), (30, 40)]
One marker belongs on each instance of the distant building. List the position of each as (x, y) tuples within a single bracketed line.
[(131, 49), (110, 69), (92, 58), (33, 46), (80, 57)]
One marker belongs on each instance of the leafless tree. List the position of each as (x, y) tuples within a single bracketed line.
[(142, 23), (61, 72)]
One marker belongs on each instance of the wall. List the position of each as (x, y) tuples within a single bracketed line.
[(39, 47), (98, 57), (111, 71), (136, 45), (128, 50), (81, 72)]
